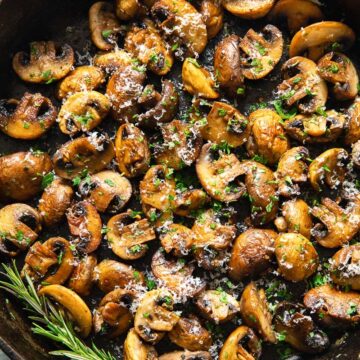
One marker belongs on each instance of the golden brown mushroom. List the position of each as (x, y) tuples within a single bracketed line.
[(212, 14), (352, 126), (189, 201), (249, 9), (129, 9), (186, 355), (109, 62), (134, 347)]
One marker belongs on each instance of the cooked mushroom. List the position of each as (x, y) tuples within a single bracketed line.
[(338, 226), (154, 315), (107, 190), (296, 256), (47, 62), (352, 126), (252, 253), (299, 329), (197, 80), (20, 225), (255, 313), (85, 154), (302, 86), (85, 223), (355, 154), (249, 9), (104, 26), (212, 14), (313, 40), (28, 118), (228, 67), (217, 305), (260, 52), (267, 137), (129, 9), (83, 78), (51, 261), (189, 334), (334, 308), (186, 355), (134, 347), (21, 174), (81, 279), (83, 111), (128, 235), (109, 62), (73, 304), (189, 201), (329, 168), (297, 13), (241, 344)]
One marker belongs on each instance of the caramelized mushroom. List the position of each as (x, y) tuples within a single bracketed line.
[(134, 347), (248, 9), (186, 355), (189, 201), (352, 126), (128, 9), (109, 62), (212, 14)]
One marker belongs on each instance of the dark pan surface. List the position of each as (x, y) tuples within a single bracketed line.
[(22, 21)]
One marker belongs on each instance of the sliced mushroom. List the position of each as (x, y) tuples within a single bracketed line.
[(107, 190), (189, 201), (51, 261), (73, 304), (129, 9), (154, 315), (313, 40), (329, 168), (352, 126), (252, 253), (20, 225), (296, 256), (217, 305), (134, 347), (241, 344), (334, 308), (249, 9), (186, 355), (21, 174), (255, 313), (109, 62), (197, 80), (28, 118), (85, 223), (260, 52), (90, 154), (104, 26), (128, 235), (212, 14), (46, 62)]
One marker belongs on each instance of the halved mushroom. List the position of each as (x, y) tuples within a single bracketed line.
[(225, 124), (90, 154), (302, 86), (189, 201), (180, 147), (186, 355), (47, 62), (81, 279), (128, 235), (110, 274), (228, 67), (328, 167), (113, 316), (313, 40), (134, 347), (20, 225), (255, 313), (296, 256), (83, 78), (297, 13), (107, 190), (28, 118), (197, 80), (146, 44), (249, 9), (104, 26), (85, 223), (155, 316), (292, 169), (252, 253), (337, 69), (217, 173), (267, 137), (129, 9), (182, 24), (352, 126), (299, 329), (338, 226), (260, 52), (51, 261), (109, 62), (21, 174), (217, 305), (242, 344), (176, 274), (212, 14), (332, 307), (73, 305)]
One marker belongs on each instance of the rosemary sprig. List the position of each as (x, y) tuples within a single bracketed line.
[(47, 320)]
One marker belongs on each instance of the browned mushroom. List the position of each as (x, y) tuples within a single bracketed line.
[(352, 126), (28, 118), (47, 62), (212, 14), (249, 9), (134, 347), (189, 201), (109, 62), (186, 355)]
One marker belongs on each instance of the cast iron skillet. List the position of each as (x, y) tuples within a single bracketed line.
[(22, 21)]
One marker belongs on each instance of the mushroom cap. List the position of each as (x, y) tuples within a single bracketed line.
[(249, 9), (212, 14)]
